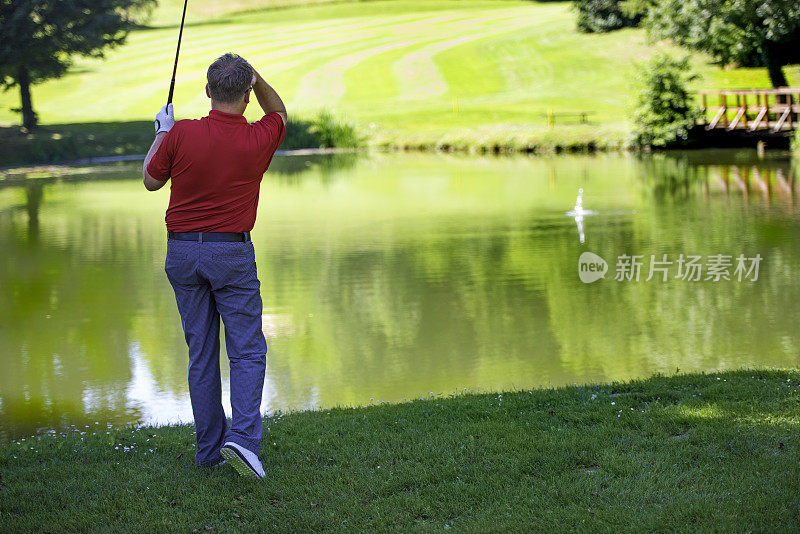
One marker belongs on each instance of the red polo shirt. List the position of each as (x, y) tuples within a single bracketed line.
[(216, 164)]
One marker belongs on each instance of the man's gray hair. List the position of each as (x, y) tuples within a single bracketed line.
[(229, 78)]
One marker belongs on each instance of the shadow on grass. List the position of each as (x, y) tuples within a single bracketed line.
[(59, 143), (70, 142)]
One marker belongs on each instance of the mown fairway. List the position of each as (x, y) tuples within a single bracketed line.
[(405, 71)]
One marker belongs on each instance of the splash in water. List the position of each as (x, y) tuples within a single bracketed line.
[(578, 213), (579, 202)]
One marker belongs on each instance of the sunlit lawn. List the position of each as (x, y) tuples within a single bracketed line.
[(710, 453), (407, 72)]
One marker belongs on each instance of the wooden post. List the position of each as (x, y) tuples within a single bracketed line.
[(724, 104), (705, 108), (744, 115), (766, 107)]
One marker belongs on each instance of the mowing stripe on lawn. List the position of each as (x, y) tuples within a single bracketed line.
[(397, 64), (328, 81)]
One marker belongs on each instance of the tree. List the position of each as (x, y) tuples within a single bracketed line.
[(750, 33), (597, 16), (39, 38), (664, 114)]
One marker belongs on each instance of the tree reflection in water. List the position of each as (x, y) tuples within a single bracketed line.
[(390, 276)]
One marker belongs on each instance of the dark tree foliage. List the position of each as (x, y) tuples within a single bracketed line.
[(597, 16), (749, 33), (39, 38)]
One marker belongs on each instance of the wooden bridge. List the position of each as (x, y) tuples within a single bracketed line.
[(755, 110)]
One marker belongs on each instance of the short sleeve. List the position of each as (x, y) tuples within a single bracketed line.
[(274, 129), (160, 165)]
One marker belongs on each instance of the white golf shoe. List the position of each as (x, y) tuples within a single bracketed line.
[(245, 462)]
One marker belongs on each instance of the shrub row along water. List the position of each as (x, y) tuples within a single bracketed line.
[(71, 142)]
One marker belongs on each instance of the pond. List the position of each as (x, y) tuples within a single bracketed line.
[(388, 277)]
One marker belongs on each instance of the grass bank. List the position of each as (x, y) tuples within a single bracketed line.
[(473, 75), (699, 452)]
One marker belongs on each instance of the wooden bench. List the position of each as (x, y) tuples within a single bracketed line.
[(581, 117)]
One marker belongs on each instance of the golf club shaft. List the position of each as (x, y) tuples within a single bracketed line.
[(177, 53)]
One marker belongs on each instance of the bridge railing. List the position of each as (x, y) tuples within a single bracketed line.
[(774, 110)]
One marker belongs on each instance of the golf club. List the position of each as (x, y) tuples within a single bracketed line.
[(177, 52)]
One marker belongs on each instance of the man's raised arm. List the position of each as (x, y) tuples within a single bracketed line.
[(165, 119), (268, 99), (150, 183)]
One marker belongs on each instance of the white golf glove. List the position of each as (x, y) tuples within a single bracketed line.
[(165, 119)]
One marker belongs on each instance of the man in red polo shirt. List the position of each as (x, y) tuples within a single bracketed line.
[(215, 165)]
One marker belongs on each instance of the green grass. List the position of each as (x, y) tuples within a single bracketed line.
[(462, 73), (703, 452)]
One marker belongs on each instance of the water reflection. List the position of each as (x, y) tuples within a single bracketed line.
[(391, 276), (678, 176)]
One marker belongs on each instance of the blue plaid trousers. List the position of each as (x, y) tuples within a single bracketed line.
[(213, 279)]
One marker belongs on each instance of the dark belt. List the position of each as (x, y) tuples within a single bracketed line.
[(209, 236)]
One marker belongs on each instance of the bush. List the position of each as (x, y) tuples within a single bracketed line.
[(332, 132), (665, 112), (299, 135), (71, 142), (323, 131), (598, 16)]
